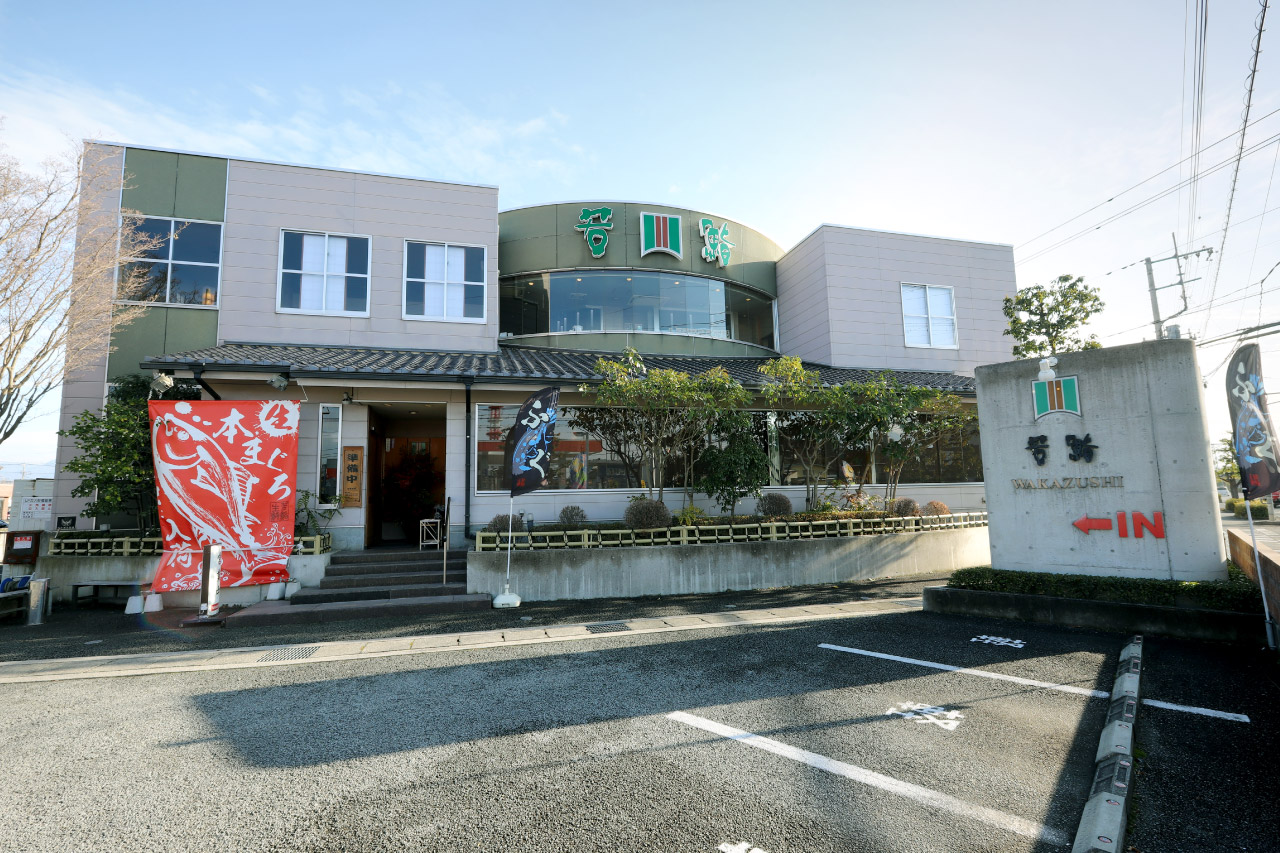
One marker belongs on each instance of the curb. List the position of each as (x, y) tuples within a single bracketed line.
[(1187, 623), (297, 654), (1102, 825)]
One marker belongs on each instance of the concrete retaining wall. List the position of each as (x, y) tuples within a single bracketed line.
[(681, 569), (1184, 622), (1242, 555), (63, 571)]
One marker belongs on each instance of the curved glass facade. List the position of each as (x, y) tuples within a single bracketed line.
[(634, 301)]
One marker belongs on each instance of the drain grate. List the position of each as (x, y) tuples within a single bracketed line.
[(299, 653), (608, 627)]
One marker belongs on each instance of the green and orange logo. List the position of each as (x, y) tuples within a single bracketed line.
[(1056, 395)]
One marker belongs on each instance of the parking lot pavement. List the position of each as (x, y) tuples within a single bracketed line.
[(1205, 784), (689, 741)]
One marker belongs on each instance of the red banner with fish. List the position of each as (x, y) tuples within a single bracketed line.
[(226, 472)]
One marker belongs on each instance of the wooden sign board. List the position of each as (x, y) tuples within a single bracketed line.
[(352, 476)]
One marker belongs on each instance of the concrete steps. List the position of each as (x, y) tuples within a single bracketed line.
[(387, 574)]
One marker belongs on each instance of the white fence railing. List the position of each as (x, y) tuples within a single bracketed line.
[(710, 534)]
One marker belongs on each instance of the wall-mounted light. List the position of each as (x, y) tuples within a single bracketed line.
[(278, 381), (161, 382)]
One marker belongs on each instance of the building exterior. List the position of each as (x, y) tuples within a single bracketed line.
[(412, 317)]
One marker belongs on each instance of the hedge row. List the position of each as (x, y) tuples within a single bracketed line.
[(1237, 593)]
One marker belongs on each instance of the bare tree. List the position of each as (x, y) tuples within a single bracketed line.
[(61, 244)]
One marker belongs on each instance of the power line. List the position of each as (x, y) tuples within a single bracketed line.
[(1205, 306), (1182, 183), (1235, 176), (1148, 201)]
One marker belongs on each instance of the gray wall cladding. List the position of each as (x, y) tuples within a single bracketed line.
[(263, 199), (839, 298)]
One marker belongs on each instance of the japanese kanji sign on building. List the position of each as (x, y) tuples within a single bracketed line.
[(1103, 471), (226, 475)]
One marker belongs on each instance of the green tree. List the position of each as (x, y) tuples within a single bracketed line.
[(1048, 320), (671, 411), (935, 414), (823, 423), (736, 466), (115, 463), (1225, 465)]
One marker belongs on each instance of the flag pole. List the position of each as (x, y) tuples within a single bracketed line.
[(1262, 584), (508, 598)]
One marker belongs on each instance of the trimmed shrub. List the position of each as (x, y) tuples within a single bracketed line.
[(936, 508), (904, 508), (1237, 593), (573, 514), (1257, 507), (691, 516), (498, 524), (773, 503), (1232, 503), (645, 514)]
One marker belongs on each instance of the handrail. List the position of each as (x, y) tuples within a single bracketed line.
[(444, 541)]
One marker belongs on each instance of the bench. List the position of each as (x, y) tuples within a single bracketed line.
[(133, 587)]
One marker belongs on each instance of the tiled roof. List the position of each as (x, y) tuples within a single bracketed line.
[(510, 363)]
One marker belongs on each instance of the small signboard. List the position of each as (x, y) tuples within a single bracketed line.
[(66, 522), (22, 547), (36, 509), (352, 476)]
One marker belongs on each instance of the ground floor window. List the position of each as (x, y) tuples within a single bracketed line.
[(591, 451), (327, 489)]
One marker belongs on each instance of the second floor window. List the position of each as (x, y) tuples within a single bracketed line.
[(929, 316), (444, 282), (180, 265), (324, 273)]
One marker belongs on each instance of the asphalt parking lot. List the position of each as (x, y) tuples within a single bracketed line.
[(824, 736)]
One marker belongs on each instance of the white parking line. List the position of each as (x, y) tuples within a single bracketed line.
[(924, 796), (1047, 685)]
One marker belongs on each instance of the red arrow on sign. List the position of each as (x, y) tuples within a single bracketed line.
[(1085, 524)]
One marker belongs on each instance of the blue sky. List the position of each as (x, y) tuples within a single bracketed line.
[(987, 121)]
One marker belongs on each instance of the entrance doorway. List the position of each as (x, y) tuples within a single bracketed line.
[(406, 470)]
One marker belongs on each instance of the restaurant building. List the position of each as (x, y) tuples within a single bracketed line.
[(411, 317)]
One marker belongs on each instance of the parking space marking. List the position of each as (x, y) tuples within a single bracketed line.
[(1192, 709), (1030, 682), (922, 795)]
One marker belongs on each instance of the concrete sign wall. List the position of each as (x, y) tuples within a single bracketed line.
[(1104, 468)]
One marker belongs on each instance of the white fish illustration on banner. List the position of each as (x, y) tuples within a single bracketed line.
[(226, 474)]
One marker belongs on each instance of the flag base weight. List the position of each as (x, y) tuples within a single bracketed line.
[(506, 598)]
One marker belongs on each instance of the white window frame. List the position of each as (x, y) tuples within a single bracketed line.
[(320, 454), (222, 232), (280, 271), (404, 285), (902, 301)]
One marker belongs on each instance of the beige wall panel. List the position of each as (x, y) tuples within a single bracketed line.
[(263, 200)]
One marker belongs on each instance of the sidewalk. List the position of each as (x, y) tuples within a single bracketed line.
[(107, 632), (64, 669)]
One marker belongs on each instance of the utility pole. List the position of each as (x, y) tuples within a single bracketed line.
[(1180, 283)]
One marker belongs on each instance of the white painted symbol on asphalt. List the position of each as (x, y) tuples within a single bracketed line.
[(998, 641), (922, 713), (740, 847)]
